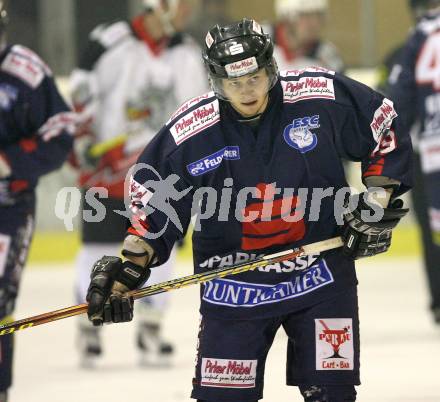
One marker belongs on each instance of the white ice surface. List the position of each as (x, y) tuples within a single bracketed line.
[(400, 347)]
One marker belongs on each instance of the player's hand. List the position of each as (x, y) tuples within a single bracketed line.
[(111, 279), (365, 236)]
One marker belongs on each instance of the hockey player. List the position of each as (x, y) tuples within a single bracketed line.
[(413, 86), (36, 133), (299, 36), (131, 77), (262, 144)]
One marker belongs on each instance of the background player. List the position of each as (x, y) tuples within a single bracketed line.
[(413, 86), (299, 36), (131, 77), (36, 133)]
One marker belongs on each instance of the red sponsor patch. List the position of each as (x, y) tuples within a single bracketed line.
[(334, 344)]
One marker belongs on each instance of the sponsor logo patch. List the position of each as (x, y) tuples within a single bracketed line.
[(211, 162), (296, 264), (334, 343), (242, 67), (308, 88), (382, 119), (196, 121), (138, 193), (298, 135), (58, 124), (185, 106), (26, 65), (209, 40), (228, 373), (231, 293), (236, 48)]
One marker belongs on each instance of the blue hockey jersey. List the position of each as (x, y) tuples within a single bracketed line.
[(36, 125), (414, 85), (260, 190)]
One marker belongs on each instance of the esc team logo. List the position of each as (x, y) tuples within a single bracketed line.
[(298, 135)]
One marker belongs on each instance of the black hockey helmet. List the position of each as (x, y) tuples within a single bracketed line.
[(238, 49)]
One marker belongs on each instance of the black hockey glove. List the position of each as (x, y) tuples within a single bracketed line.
[(364, 238), (110, 280)]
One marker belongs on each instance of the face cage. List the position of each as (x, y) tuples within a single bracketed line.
[(216, 83)]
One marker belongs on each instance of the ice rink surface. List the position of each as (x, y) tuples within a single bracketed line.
[(400, 347)]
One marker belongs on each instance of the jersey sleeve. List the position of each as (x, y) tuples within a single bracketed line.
[(371, 132), (192, 79), (85, 80), (160, 199), (401, 84), (44, 125)]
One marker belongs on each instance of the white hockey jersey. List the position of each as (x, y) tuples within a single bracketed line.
[(320, 54), (127, 86)]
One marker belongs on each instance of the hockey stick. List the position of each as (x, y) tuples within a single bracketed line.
[(178, 283)]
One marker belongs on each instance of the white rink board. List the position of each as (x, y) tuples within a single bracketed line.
[(400, 346)]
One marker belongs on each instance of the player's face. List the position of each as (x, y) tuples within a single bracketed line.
[(248, 94)]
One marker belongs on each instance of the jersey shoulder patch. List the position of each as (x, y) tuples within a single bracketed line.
[(194, 116), (26, 65), (299, 85), (382, 119)]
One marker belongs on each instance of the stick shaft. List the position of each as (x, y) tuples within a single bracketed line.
[(178, 283)]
